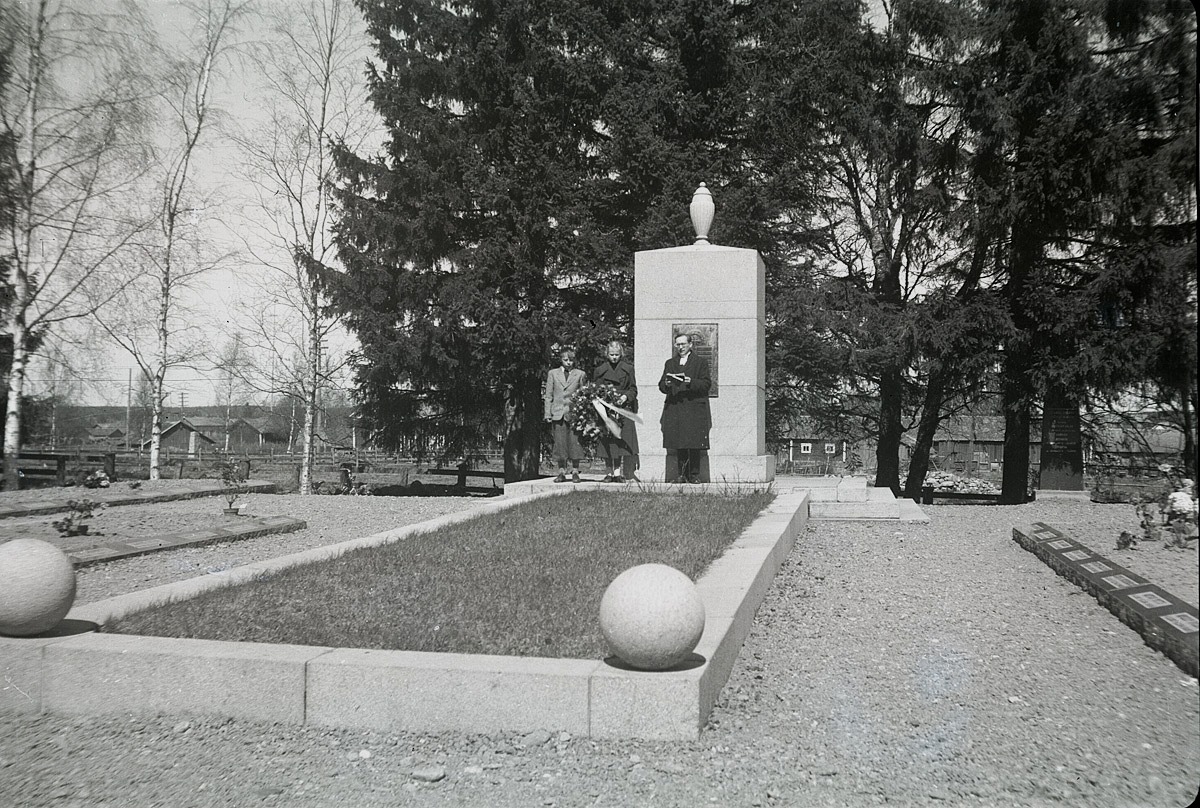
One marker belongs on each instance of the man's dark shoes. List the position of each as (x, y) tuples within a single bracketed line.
[(561, 478)]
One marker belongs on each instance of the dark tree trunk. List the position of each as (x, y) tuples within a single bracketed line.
[(887, 452), (1017, 387), (1189, 434), (931, 418), (523, 442), (1014, 485)]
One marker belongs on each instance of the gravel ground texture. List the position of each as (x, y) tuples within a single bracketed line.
[(898, 664)]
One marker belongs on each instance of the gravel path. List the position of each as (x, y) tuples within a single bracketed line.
[(935, 664)]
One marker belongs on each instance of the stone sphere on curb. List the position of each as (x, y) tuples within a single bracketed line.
[(37, 587), (652, 616)]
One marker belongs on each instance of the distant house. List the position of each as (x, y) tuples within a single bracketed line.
[(809, 449), (108, 434), (244, 436), (1134, 446), (975, 442), (267, 433), (184, 437)]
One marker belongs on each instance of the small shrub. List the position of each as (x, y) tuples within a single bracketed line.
[(233, 477), (75, 522), (1127, 541)]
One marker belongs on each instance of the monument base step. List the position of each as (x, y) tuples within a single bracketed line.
[(1081, 496), (830, 489), (878, 508), (853, 489), (855, 501)]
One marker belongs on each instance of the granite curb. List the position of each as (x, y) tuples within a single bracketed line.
[(1165, 622), (56, 505), (250, 528), (94, 673)]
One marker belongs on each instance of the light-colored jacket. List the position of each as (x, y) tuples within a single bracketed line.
[(560, 386)]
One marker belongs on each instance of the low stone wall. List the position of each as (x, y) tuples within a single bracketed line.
[(1164, 621)]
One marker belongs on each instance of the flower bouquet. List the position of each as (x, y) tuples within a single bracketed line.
[(589, 418)]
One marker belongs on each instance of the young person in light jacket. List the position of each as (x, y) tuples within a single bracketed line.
[(561, 384)]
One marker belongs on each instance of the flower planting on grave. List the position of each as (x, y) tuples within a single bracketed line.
[(76, 521), (526, 581), (233, 479), (1169, 515)]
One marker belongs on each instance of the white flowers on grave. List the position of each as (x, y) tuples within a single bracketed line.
[(1180, 503)]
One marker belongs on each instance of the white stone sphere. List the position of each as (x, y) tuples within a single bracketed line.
[(652, 616), (37, 586)]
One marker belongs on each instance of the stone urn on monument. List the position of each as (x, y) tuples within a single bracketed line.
[(717, 296)]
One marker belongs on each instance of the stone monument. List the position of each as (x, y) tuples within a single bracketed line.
[(1061, 467), (718, 295)]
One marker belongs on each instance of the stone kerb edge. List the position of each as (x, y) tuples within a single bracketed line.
[(23, 661), (46, 507), (675, 705), (1165, 622), (608, 701)]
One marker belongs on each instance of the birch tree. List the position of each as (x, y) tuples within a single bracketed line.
[(231, 387), (154, 322), (312, 69), (73, 111)]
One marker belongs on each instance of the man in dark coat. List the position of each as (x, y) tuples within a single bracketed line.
[(620, 453), (686, 418)]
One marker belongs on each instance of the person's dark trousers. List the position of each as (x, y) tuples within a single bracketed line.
[(689, 465)]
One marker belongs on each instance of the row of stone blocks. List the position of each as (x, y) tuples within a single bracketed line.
[(1166, 623), (96, 673)]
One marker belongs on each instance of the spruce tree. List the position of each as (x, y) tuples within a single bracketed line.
[(534, 146), (1088, 110)]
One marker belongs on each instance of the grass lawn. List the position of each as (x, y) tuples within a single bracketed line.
[(526, 581)]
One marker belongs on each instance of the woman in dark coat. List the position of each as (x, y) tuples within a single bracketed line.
[(620, 454), (686, 418)]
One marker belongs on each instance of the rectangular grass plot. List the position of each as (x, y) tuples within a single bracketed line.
[(525, 581)]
